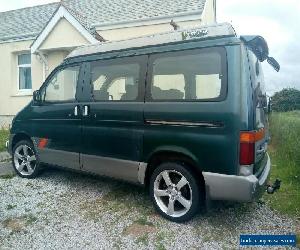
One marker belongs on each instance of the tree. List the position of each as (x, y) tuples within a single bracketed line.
[(287, 99)]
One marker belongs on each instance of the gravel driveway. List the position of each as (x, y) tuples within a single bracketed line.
[(65, 210)]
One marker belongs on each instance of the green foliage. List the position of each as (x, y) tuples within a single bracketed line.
[(285, 134), (285, 100), (4, 134), (285, 157)]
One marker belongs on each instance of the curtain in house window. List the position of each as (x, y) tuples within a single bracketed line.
[(24, 65)]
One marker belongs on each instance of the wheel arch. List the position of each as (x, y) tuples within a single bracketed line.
[(19, 137), (173, 154)]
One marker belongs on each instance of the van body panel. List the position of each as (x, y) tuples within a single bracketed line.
[(113, 130), (209, 145), (202, 128), (112, 133), (56, 124), (246, 96), (258, 110)]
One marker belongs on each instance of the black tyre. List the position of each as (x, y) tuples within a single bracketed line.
[(25, 159), (175, 192)]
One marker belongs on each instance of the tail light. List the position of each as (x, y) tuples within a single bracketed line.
[(247, 145)]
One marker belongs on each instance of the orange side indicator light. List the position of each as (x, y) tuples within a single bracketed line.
[(260, 134), (42, 143), (252, 136)]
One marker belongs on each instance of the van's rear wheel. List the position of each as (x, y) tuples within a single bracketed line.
[(25, 159), (175, 192)]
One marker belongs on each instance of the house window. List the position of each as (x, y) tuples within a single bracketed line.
[(24, 71)]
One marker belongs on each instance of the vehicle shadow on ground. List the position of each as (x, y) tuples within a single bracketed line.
[(125, 196)]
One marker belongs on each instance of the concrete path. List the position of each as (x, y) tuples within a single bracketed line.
[(4, 156), (6, 168)]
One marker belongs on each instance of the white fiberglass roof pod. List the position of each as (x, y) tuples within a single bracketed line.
[(201, 32)]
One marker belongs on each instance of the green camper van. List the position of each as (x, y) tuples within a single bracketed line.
[(183, 113)]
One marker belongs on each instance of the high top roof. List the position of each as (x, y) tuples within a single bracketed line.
[(201, 32)]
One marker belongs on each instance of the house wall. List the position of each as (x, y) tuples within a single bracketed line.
[(64, 35), (11, 101), (209, 12), (63, 38), (55, 58)]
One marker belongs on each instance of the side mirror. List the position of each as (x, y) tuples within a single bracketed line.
[(273, 63), (37, 99)]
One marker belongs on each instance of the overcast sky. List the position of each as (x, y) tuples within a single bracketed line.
[(276, 20)]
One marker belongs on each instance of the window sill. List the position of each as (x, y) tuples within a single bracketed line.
[(23, 93)]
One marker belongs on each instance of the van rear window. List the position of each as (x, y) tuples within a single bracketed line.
[(189, 75)]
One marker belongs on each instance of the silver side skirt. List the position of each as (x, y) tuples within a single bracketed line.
[(120, 169), (142, 172), (59, 157), (131, 171)]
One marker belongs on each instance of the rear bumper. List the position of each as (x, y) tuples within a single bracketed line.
[(236, 188)]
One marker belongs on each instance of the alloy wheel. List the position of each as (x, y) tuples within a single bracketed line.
[(173, 193), (25, 160)]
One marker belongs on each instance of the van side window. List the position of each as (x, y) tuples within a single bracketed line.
[(115, 82), (62, 86), (189, 75)]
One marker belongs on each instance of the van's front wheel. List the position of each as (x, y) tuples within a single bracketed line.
[(174, 192), (25, 160)]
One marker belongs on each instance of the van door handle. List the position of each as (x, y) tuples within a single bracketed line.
[(76, 110), (86, 110)]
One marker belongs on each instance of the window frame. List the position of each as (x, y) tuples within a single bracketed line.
[(141, 60), (50, 77), (18, 73), (224, 67)]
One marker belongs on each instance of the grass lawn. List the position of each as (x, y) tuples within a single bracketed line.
[(3, 138), (285, 157)]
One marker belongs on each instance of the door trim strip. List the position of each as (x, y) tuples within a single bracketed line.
[(186, 124)]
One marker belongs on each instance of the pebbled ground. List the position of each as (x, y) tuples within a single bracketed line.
[(65, 210)]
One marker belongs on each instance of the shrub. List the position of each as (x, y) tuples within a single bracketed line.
[(285, 100)]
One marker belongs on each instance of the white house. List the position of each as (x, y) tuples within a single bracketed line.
[(33, 41)]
